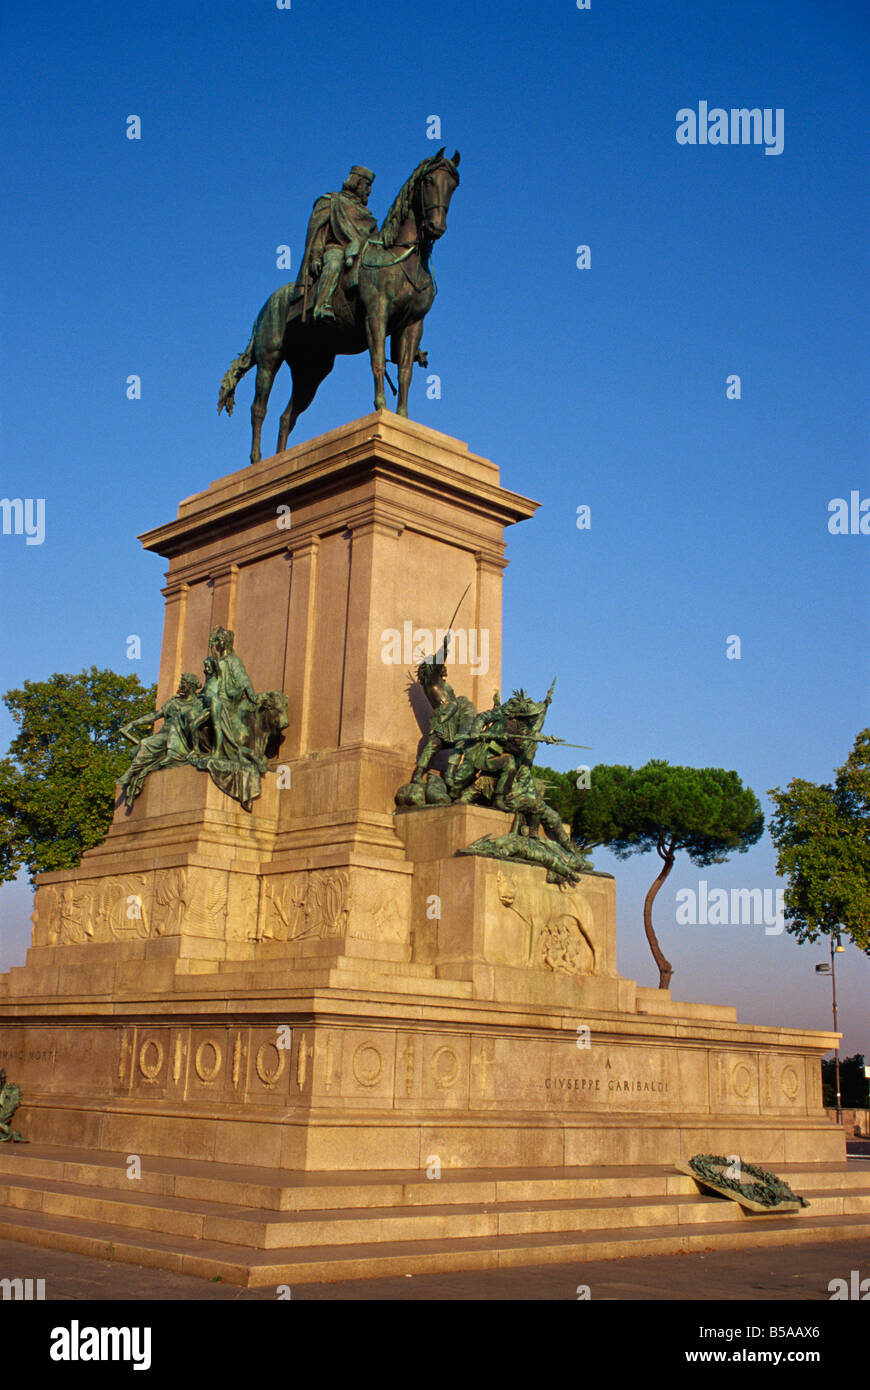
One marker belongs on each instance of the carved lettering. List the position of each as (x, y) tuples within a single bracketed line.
[(615, 1085)]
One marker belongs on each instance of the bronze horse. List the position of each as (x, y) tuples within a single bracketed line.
[(394, 293)]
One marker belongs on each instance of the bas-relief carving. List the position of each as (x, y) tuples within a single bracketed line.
[(171, 895), (189, 899), (123, 1056), (270, 1061), (785, 1082), (242, 907), (238, 1056), (315, 905), (310, 906), (377, 908), (556, 938), (408, 1057), (157, 1057), (64, 915), (208, 1060), (150, 1058), (445, 1067), (177, 1059), (303, 1053), (754, 1079), (123, 904), (75, 915), (367, 1064), (737, 1079), (563, 946), (480, 1065), (324, 903), (106, 909), (132, 907), (329, 1071), (741, 1080)]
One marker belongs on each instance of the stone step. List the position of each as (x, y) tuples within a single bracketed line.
[(198, 1217), (288, 967), (275, 1189), (259, 1269), (254, 1226), (389, 1225), (243, 978), (266, 953)]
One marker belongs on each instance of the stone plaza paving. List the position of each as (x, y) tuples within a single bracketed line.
[(777, 1273)]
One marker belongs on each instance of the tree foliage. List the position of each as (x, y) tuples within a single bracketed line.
[(853, 1082), (58, 780), (822, 838), (706, 812)]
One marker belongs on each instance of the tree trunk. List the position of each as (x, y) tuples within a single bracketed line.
[(666, 970)]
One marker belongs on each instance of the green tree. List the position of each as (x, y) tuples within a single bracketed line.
[(822, 838), (706, 812), (58, 781), (853, 1083)]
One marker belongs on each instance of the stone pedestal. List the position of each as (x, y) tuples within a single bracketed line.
[(334, 563), (325, 983)]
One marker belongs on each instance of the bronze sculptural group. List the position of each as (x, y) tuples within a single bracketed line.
[(490, 761), (10, 1099), (220, 726), (365, 288)]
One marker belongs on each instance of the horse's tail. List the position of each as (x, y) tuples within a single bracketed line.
[(232, 377)]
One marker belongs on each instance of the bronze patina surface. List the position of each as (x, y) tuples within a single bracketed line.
[(10, 1099), (490, 761), (366, 286), (223, 727)]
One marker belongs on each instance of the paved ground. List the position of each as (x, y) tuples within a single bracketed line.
[(779, 1273)]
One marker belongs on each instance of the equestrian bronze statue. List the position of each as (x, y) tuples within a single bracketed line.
[(357, 287)]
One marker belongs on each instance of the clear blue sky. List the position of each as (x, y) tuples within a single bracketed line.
[(604, 386)]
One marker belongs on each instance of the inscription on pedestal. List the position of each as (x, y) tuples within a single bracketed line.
[(611, 1086), (28, 1054)]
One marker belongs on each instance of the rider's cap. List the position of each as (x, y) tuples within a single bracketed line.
[(363, 172)]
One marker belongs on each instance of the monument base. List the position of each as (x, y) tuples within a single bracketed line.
[(328, 1079), (341, 1107), (247, 1043), (287, 1135)]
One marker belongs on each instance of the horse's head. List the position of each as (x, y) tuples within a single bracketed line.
[(420, 207), (438, 179)]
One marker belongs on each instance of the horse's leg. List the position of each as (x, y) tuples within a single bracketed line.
[(265, 376), (376, 334), (409, 341), (307, 377)]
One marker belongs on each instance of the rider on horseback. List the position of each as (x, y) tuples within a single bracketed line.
[(339, 224), (393, 292)]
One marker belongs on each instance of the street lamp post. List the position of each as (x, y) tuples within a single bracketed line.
[(825, 969), (834, 948)]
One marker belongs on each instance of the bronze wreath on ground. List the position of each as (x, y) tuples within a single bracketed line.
[(765, 1192)]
